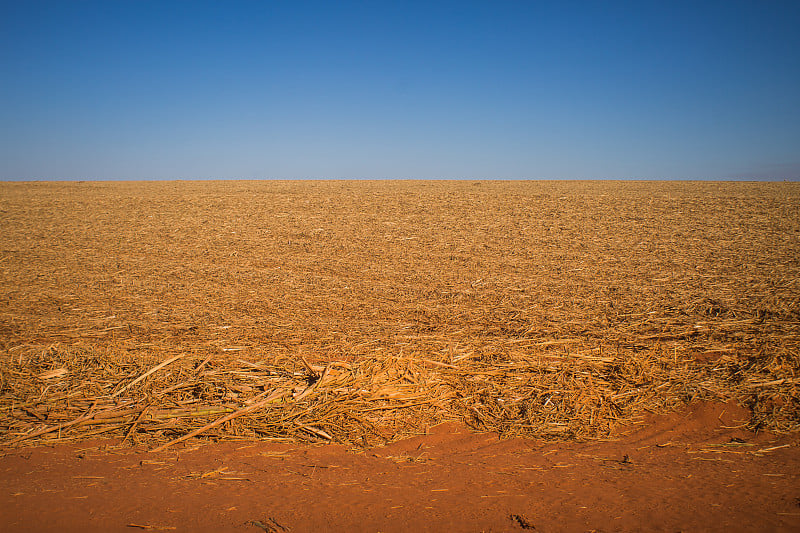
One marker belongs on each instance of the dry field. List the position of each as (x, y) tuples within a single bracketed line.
[(362, 312)]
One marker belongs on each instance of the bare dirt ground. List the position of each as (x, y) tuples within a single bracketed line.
[(691, 471)]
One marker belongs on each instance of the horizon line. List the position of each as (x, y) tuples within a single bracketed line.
[(106, 180)]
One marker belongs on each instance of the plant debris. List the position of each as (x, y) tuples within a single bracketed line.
[(364, 312)]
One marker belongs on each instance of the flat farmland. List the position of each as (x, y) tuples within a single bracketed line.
[(362, 312), (399, 355)]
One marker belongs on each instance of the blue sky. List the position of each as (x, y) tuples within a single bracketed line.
[(294, 89)]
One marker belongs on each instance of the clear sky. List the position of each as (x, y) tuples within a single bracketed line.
[(431, 89)]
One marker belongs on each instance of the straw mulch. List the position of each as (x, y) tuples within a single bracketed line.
[(363, 312)]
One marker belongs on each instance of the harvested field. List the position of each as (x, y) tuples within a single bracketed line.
[(363, 312)]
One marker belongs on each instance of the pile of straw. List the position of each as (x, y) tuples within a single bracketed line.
[(374, 400)]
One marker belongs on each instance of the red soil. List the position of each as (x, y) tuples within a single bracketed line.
[(685, 472)]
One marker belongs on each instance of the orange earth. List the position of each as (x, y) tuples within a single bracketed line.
[(692, 471)]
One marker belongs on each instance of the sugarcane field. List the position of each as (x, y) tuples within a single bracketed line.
[(399, 336)]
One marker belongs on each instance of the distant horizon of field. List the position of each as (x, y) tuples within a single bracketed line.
[(611, 179)]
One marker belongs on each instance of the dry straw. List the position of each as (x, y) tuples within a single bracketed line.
[(362, 313)]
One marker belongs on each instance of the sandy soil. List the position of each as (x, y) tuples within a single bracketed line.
[(691, 471)]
